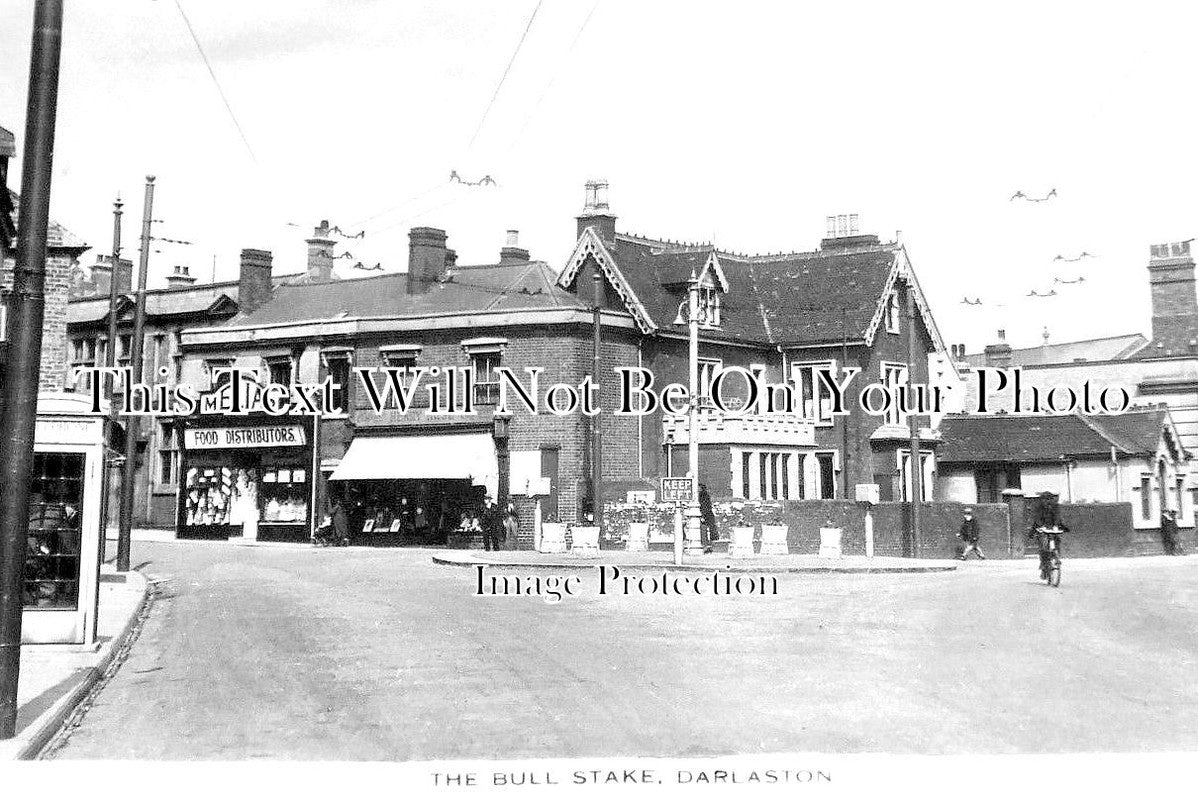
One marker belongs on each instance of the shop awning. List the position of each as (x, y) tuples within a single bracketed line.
[(462, 456)]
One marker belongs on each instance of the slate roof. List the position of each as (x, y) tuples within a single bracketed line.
[(196, 299), (1109, 348), (464, 289), (795, 298), (1038, 438)]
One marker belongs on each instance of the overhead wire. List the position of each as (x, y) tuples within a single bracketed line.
[(215, 81), (557, 71), (506, 70)]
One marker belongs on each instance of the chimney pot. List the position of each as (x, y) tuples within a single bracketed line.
[(596, 213), (320, 254), (512, 253), (180, 278)]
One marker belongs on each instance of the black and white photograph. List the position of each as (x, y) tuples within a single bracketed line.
[(584, 397)]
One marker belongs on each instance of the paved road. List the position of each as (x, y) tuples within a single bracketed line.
[(258, 653)]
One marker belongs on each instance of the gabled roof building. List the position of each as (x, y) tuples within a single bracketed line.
[(1136, 457)]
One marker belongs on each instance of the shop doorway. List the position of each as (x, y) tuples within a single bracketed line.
[(406, 512)]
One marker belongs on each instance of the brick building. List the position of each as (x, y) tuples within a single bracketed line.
[(438, 316), (780, 317), (63, 250), (184, 302)]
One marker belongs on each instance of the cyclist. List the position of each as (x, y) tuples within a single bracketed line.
[(1046, 526)]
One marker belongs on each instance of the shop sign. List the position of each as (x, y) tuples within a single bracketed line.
[(65, 431), (244, 436)]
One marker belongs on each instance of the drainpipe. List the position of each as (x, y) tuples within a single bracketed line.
[(1118, 481), (640, 419)]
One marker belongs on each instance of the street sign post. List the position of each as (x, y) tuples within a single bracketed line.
[(681, 492)]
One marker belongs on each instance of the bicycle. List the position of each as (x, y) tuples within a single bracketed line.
[(1050, 553)]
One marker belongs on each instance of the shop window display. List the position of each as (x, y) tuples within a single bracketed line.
[(245, 497), (53, 544), (284, 495)]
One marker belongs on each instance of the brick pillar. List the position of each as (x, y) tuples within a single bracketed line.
[(1017, 521), (54, 331)]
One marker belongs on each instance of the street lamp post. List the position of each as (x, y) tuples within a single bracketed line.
[(25, 321), (694, 545)]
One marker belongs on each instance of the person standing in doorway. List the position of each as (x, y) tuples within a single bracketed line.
[(340, 523), (969, 536)]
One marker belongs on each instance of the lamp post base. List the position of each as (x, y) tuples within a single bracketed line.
[(694, 540)]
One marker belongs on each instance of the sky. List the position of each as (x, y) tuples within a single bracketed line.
[(744, 123)]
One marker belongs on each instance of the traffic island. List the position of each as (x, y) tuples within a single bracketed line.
[(528, 559)]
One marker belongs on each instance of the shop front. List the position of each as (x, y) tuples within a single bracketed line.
[(246, 477), (60, 590), (415, 489)]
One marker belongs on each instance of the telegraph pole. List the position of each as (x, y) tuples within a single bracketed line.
[(129, 468), (596, 436), (915, 468), (26, 318), (110, 361)]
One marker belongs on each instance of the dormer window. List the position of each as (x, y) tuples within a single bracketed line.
[(709, 307), (892, 313)]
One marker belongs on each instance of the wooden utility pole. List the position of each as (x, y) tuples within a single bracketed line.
[(132, 422), (914, 467), (110, 361), (25, 321)]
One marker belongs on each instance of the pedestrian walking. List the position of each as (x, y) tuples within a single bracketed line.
[(511, 524), (969, 536), (1170, 538), (492, 523), (708, 532)]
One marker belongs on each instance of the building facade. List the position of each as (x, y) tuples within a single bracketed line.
[(1136, 458), (780, 319)]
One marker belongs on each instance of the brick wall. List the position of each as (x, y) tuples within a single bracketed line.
[(939, 524), (54, 328)]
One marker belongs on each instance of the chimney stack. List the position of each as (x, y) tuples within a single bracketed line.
[(427, 258), (844, 232), (596, 213), (998, 355), (254, 282), (512, 252), (181, 278), (1174, 302), (320, 254), (102, 275)]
